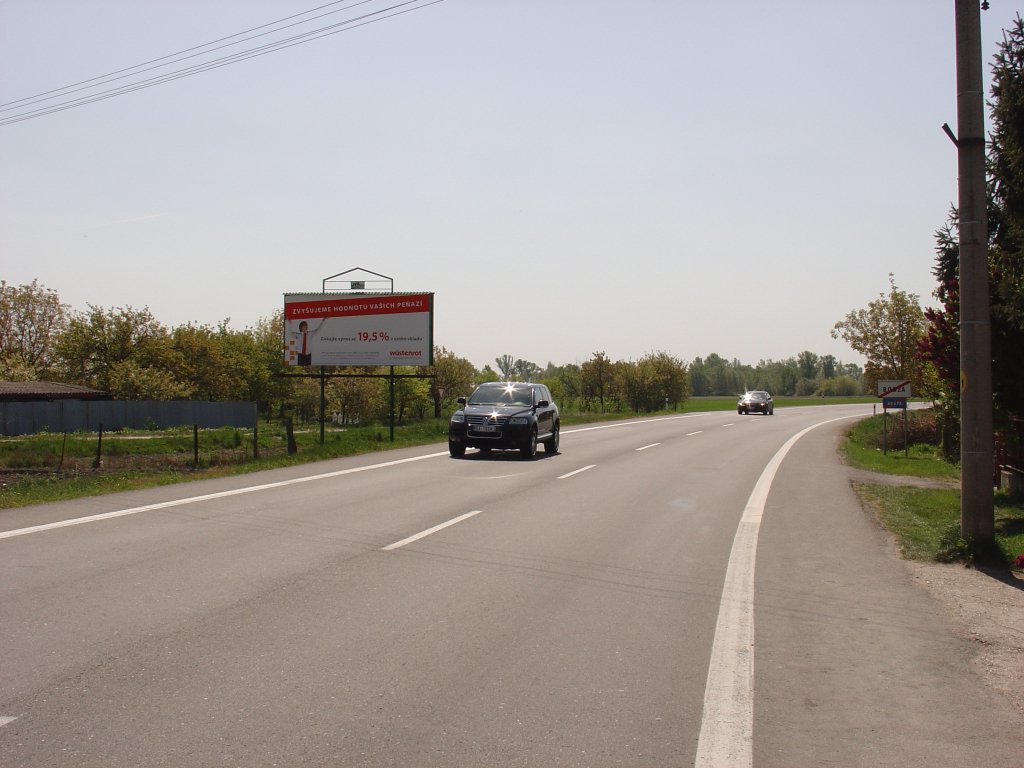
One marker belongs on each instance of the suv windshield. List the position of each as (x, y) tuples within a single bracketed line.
[(502, 394)]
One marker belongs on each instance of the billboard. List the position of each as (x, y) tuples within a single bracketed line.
[(359, 329)]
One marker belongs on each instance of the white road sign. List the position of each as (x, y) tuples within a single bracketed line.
[(894, 388)]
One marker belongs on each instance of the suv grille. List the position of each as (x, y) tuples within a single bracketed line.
[(474, 420)]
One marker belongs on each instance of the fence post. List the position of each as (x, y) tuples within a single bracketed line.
[(290, 431), (98, 461)]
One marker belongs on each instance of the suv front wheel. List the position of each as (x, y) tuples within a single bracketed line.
[(551, 444), (529, 448)]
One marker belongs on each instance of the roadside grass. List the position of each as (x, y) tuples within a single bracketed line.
[(926, 521), (876, 444), (49, 467)]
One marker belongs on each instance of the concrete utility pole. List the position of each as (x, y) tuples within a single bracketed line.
[(977, 516)]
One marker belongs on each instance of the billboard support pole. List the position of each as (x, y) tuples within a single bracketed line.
[(323, 401), (391, 387)]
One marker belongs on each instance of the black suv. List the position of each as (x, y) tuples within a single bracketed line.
[(505, 414), (758, 400)]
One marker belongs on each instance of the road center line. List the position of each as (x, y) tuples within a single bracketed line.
[(645, 447), (210, 496), (698, 432), (619, 424), (576, 471), (435, 529), (727, 727)]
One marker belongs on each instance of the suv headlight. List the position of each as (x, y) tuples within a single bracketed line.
[(519, 420), (458, 418)]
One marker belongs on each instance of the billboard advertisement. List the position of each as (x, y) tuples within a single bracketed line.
[(359, 329)]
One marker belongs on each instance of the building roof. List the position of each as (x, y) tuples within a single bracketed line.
[(14, 391)]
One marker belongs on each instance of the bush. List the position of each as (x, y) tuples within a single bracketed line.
[(922, 429)]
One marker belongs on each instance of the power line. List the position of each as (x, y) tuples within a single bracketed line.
[(407, 6), (111, 75)]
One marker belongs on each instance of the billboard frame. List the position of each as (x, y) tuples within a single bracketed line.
[(405, 313), (342, 329)]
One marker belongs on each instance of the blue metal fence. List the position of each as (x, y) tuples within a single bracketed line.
[(90, 415)]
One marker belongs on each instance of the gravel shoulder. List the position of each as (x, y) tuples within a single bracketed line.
[(987, 604), (989, 608)]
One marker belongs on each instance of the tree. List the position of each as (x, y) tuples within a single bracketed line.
[(130, 381), (412, 395), (808, 364), (31, 319), (940, 347), (1006, 222), (887, 333), (656, 381), (781, 377), (714, 375), (506, 367), (700, 385), (453, 378), (596, 374), (95, 341), (273, 391), (670, 378), (487, 374), (200, 361), (840, 386), (828, 366), (524, 370), (636, 382), (356, 401), (251, 366)]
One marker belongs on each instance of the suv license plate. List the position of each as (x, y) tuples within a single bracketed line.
[(486, 428)]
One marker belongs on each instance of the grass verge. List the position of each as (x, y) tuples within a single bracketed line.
[(926, 521)]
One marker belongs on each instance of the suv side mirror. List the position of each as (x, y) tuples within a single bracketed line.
[(461, 401), (543, 403)]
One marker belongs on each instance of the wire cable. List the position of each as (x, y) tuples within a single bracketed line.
[(194, 69), (110, 76)]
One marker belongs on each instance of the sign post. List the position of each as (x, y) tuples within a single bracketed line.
[(894, 394)]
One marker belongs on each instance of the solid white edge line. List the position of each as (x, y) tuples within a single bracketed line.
[(576, 471), (209, 497), (429, 531), (727, 725)]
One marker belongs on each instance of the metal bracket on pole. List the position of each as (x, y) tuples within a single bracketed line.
[(952, 136)]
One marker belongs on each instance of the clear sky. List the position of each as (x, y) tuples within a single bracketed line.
[(566, 176)]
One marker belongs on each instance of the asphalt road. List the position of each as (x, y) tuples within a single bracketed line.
[(693, 590)]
